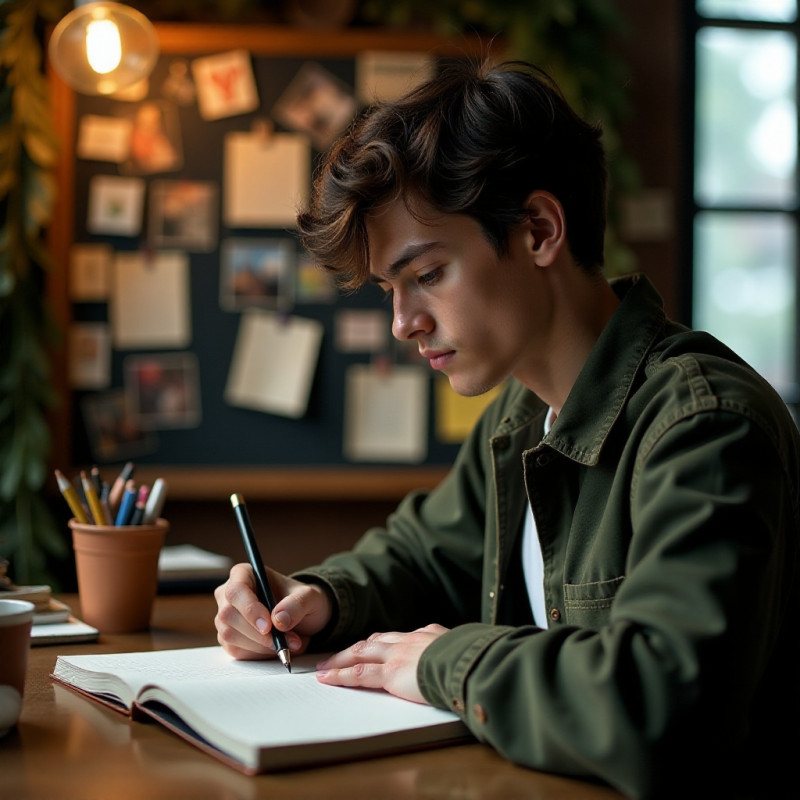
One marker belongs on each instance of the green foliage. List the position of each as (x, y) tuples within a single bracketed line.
[(28, 533)]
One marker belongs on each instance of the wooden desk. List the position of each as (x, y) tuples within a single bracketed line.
[(66, 747)]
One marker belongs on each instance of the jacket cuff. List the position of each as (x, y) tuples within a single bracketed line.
[(447, 662), (336, 584)]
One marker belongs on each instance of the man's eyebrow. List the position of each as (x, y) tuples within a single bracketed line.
[(412, 252)]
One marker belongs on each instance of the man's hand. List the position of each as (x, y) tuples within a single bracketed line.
[(244, 624), (384, 661)]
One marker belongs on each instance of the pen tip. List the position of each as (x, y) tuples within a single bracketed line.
[(285, 658), (236, 500)]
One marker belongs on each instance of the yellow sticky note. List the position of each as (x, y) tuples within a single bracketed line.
[(456, 415)]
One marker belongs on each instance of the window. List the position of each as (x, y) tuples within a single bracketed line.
[(744, 214)]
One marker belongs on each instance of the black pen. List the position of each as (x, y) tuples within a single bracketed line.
[(262, 582)]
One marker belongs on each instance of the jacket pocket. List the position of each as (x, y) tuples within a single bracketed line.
[(589, 604)]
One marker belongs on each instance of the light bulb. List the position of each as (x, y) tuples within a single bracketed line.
[(103, 45)]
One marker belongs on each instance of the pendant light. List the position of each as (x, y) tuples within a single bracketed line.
[(103, 47)]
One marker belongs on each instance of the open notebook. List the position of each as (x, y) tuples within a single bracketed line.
[(254, 715)]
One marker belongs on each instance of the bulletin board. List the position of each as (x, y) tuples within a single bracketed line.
[(194, 341)]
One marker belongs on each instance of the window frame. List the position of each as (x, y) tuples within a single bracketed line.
[(694, 22)]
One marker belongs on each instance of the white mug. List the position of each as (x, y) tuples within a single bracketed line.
[(16, 618)]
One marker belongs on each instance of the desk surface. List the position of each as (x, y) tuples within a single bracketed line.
[(69, 747)]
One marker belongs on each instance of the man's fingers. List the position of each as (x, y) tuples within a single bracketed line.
[(245, 625), (305, 608), (240, 607), (367, 675), (383, 661), (368, 650)]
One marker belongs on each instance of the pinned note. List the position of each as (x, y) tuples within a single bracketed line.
[(273, 363), (150, 300), (386, 414), (265, 180)]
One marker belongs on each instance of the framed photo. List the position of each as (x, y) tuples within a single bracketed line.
[(257, 272), (163, 390), (183, 215), (114, 431), (317, 103), (155, 139), (116, 205)]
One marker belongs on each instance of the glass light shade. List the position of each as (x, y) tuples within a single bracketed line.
[(103, 47)]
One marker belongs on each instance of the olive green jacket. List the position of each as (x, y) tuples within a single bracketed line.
[(666, 500)]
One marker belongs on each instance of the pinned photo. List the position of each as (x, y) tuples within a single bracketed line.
[(257, 272), (116, 205), (155, 143), (163, 390), (103, 138), (388, 76), (178, 85), (183, 215), (225, 84), (89, 271), (317, 103), (313, 283), (89, 360), (114, 431)]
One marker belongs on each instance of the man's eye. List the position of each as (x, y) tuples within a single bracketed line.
[(429, 278)]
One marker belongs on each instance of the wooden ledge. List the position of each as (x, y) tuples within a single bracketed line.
[(291, 483)]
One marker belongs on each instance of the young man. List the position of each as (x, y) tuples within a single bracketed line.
[(610, 566)]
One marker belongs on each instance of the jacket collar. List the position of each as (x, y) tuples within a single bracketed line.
[(607, 378)]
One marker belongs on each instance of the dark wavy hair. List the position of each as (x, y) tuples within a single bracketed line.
[(476, 140)]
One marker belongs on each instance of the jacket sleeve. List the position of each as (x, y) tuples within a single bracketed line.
[(668, 684), (425, 565)]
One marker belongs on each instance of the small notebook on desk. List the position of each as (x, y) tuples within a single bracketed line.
[(253, 715), (68, 631), (53, 622), (187, 568)]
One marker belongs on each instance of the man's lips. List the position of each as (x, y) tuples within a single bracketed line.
[(438, 358)]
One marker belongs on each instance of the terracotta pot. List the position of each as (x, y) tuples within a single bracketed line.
[(117, 573)]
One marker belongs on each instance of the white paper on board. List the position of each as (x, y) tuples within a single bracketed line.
[(273, 363), (150, 300), (386, 413), (266, 179)]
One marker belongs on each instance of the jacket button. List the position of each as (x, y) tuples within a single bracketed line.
[(480, 713), (555, 614), (505, 420), (458, 705), (543, 460)]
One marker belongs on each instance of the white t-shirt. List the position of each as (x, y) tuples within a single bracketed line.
[(532, 561)]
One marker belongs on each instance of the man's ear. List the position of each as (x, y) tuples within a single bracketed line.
[(546, 225)]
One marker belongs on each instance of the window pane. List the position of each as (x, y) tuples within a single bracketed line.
[(762, 10), (746, 136), (744, 288)]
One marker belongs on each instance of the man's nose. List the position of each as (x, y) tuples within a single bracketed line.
[(411, 319)]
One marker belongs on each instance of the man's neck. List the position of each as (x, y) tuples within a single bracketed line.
[(582, 306)]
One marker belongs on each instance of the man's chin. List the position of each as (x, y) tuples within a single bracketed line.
[(470, 389)]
